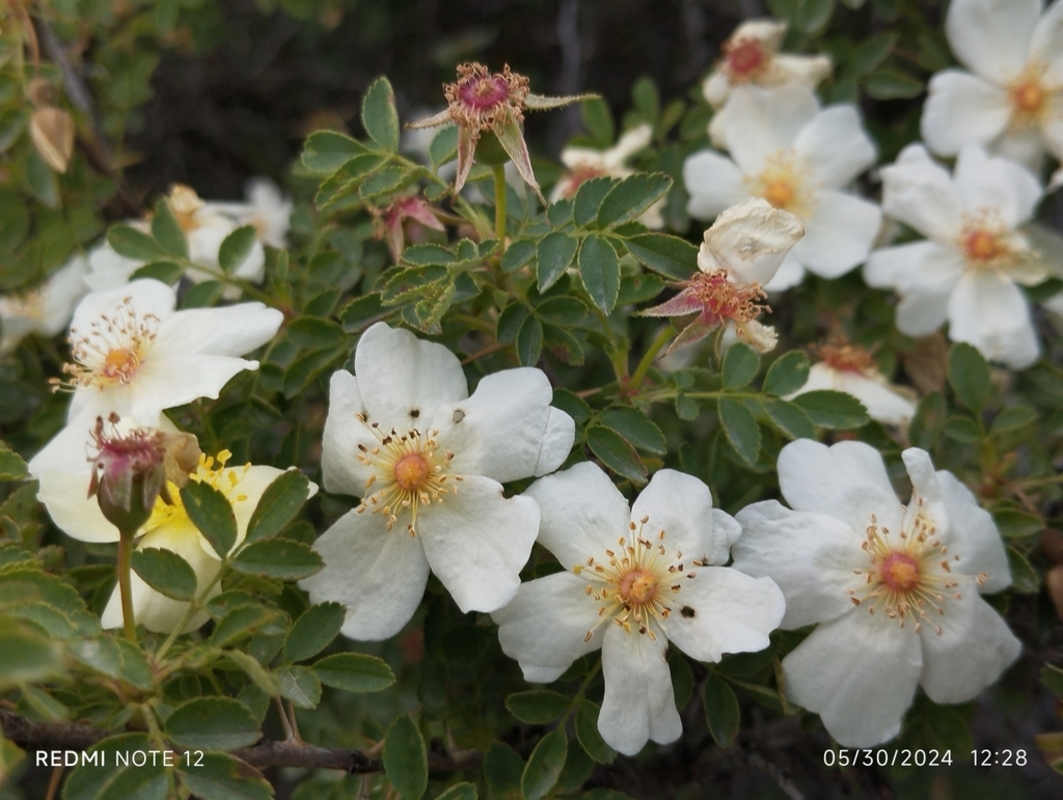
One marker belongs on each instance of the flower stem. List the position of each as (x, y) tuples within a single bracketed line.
[(650, 356), (125, 583), (499, 172)]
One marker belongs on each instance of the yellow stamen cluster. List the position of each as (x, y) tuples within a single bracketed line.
[(409, 471), (638, 583), (782, 183), (1029, 97), (987, 243), (112, 349), (910, 576), (223, 479), (722, 300), (840, 355)]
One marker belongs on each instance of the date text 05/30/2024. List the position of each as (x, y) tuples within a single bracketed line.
[(118, 758), (877, 757)]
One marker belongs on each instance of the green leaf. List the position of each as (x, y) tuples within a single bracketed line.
[(459, 791), (636, 428), (926, 425), (354, 672), (314, 631), (423, 255), (26, 655), (671, 256), (502, 770), (518, 254), (315, 333), (407, 284), (721, 711), (1024, 579), (42, 180), (599, 270), (405, 758), (203, 295), (529, 341), (167, 231), (165, 271), (741, 428), (830, 409), (258, 674), (444, 145), (12, 466), (892, 84), (379, 115), (740, 366), (572, 404), (211, 513), (327, 151), (278, 506), (537, 707), (300, 685), (633, 195), (278, 558), (1011, 419), (236, 247), (615, 453), (588, 199), (362, 312), (598, 119), (166, 572), (221, 777), (962, 429), (131, 243), (789, 419), (213, 723), (564, 311), (553, 256), (509, 322), (545, 765), (109, 781), (870, 55), (1052, 678), (563, 344), (589, 736), (968, 375), (813, 15), (243, 622), (787, 374), (1014, 524)]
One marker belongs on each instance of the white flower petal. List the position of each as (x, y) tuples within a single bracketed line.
[(920, 193), (990, 312), (834, 146), (984, 181), (883, 402), (639, 703), (758, 123), (379, 575), (477, 541), (839, 233), (1027, 146), (810, 70), (749, 240), (975, 645), (148, 297), (859, 673), (507, 429), (973, 536), (791, 272), (65, 495), (582, 513), (810, 556), (545, 626), (226, 331), (716, 88), (168, 382), (924, 274), (729, 613), (403, 379), (992, 37), (847, 481), (681, 506), (713, 183), (631, 142), (1046, 43), (962, 108), (343, 437), (725, 532)]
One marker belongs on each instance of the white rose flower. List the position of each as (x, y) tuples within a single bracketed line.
[(799, 157), (968, 270), (635, 580), (169, 528), (44, 309), (895, 589), (1013, 101), (266, 208), (584, 164), (741, 252), (852, 369), (751, 56), (134, 355), (428, 462)]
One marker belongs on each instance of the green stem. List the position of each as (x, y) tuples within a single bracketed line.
[(650, 356), (499, 172), (125, 583), (193, 607), (572, 706)]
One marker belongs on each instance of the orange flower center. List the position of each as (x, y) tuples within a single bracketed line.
[(846, 357), (1028, 99), (112, 349), (638, 587), (412, 472), (120, 364), (899, 572), (745, 58), (983, 246), (780, 193)]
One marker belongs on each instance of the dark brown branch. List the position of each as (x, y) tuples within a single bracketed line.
[(74, 736)]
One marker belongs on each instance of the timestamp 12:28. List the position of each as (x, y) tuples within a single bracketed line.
[(998, 758)]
